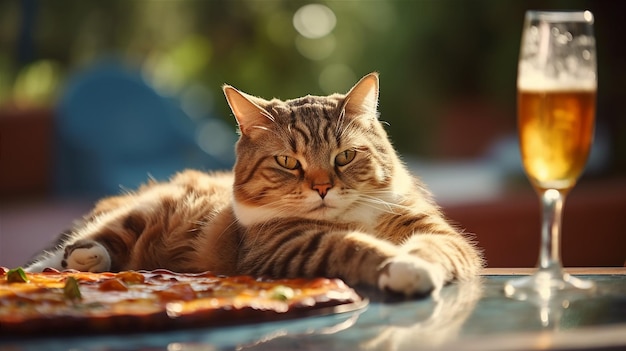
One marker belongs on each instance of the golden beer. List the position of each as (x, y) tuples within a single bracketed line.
[(556, 102), (556, 132)]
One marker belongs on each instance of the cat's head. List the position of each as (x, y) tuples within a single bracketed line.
[(317, 157)]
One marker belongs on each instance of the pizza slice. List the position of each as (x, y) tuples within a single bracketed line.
[(54, 302)]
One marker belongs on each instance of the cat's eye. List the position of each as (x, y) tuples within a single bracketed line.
[(287, 162), (345, 157)]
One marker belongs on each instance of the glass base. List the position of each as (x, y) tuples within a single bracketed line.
[(546, 284)]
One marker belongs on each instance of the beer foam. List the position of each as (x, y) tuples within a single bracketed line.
[(541, 83)]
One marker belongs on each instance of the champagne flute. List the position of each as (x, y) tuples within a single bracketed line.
[(556, 97)]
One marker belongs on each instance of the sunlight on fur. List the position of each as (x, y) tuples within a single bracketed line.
[(317, 190)]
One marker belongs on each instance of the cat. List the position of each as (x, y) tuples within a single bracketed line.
[(317, 189)]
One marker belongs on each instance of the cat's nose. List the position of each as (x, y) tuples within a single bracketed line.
[(322, 189)]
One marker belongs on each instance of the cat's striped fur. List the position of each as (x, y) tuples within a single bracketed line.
[(317, 190)]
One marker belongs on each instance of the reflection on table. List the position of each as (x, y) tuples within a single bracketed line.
[(472, 315)]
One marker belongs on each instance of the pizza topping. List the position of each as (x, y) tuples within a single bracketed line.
[(282, 293), (130, 277), (71, 290), (17, 275), (114, 284), (177, 292)]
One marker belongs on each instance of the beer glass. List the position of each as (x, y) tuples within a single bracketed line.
[(556, 98)]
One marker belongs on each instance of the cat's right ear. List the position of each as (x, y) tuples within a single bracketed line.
[(248, 113), (363, 97)]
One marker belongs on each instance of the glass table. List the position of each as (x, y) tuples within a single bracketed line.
[(467, 316)]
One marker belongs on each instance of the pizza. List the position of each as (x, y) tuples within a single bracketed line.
[(63, 302)]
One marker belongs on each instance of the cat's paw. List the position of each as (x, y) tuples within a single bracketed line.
[(86, 256), (410, 275)]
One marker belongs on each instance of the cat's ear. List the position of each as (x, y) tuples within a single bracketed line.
[(247, 110), (363, 97)]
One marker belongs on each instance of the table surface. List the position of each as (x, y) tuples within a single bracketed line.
[(467, 316)]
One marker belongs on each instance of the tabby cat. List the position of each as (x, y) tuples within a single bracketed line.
[(317, 190)]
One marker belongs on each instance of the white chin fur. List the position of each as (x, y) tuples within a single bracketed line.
[(365, 215), (249, 215)]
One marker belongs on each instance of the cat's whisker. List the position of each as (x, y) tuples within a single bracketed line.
[(378, 203), (268, 115), (347, 128), (341, 120), (265, 129), (377, 206), (397, 197)]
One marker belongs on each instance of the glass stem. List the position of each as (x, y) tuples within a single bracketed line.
[(550, 251)]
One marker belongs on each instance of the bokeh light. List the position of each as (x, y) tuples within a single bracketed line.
[(314, 21), (170, 70), (37, 83)]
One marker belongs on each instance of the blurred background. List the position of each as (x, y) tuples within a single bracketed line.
[(97, 96)]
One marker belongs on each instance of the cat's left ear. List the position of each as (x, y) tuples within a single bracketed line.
[(363, 97), (247, 110)]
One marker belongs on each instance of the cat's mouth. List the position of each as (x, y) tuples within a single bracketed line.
[(323, 206)]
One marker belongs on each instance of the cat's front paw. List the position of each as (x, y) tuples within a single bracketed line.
[(86, 256), (410, 275)]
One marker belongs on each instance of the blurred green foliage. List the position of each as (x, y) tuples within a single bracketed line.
[(431, 54)]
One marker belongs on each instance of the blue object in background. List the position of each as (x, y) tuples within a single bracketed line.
[(114, 131)]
